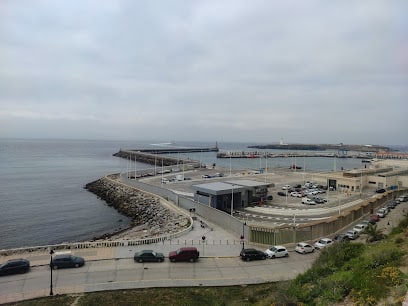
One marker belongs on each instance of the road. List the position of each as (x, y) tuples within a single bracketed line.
[(124, 273)]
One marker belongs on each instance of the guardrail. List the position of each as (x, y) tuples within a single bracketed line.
[(106, 243), (96, 244)]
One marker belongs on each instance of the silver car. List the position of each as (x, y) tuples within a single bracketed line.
[(323, 243), (304, 248), (277, 251)]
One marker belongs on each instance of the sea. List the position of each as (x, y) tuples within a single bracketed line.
[(42, 195)]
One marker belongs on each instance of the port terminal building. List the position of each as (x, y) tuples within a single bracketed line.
[(230, 195), (387, 174)]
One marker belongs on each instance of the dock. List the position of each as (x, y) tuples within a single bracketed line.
[(257, 154)]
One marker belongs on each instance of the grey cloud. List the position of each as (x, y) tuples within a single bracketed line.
[(312, 71)]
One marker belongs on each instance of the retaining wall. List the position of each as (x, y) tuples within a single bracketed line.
[(312, 231)]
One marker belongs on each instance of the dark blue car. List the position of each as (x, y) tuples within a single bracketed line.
[(15, 266), (66, 261)]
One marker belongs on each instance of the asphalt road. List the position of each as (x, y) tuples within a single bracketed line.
[(125, 273)]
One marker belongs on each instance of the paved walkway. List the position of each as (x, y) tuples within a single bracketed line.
[(218, 243)]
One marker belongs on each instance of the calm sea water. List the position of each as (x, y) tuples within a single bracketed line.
[(42, 199)]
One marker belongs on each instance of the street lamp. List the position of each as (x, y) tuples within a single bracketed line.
[(232, 201), (243, 235), (51, 252)]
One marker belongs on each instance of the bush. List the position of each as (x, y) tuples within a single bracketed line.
[(389, 256)]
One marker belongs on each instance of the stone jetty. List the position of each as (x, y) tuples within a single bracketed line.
[(155, 159), (149, 217)]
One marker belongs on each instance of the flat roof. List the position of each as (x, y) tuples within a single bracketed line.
[(218, 188), (248, 183)]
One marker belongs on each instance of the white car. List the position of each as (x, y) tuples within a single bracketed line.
[(286, 187), (304, 248), (308, 201), (382, 212), (359, 228), (324, 242), (277, 251), (352, 234), (296, 194)]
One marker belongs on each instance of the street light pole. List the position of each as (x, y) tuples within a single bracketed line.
[(51, 252), (243, 235), (232, 201)]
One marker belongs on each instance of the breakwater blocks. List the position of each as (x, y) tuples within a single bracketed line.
[(145, 210)]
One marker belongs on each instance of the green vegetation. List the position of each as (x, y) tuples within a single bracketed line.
[(363, 273)]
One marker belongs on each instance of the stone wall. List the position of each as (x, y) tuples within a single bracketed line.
[(149, 217)]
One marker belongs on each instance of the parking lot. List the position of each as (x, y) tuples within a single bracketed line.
[(281, 209)]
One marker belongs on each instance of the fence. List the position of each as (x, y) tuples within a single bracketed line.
[(216, 216), (256, 234), (293, 234)]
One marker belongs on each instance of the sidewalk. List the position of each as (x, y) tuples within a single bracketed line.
[(218, 243)]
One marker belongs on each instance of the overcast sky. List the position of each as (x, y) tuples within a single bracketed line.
[(248, 71)]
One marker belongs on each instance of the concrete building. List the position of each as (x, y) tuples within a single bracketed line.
[(231, 195), (380, 174)]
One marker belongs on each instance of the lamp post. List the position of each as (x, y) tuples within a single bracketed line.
[(232, 201), (51, 252), (243, 235), (361, 183)]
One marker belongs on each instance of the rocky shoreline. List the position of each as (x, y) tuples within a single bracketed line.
[(149, 217)]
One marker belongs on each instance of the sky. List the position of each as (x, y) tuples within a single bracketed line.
[(229, 71)]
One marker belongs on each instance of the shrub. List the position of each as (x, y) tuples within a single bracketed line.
[(392, 276), (385, 257)]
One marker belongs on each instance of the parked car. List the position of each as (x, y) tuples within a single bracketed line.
[(374, 219), (308, 201), (66, 261), (282, 194), (365, 222), (319, 200), (148, 256), (359, 228), (184, 254), (392, 204), (403, 198), (304, 248), (252, 254), (15, 266), (382, 212), (380, 190), (296, 194), (286, 187), (277, 251), (324, 242), (352, 234), (341, 238)]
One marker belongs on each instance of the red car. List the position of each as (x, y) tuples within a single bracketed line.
[(374, 218)]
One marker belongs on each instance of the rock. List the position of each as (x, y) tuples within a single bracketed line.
[(143, 209)]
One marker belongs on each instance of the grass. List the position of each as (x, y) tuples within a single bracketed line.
[(263, 294)]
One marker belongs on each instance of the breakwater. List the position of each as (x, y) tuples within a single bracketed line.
[(263, 154), (153, 158), (149, 216), (322, 147)]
